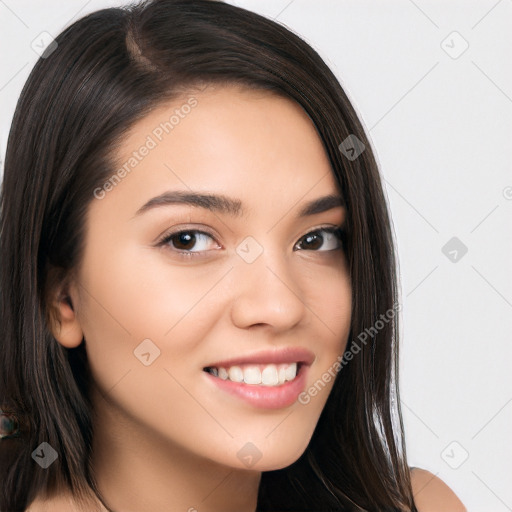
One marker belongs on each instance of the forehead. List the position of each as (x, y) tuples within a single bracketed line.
[(229, 139), (226, 116)]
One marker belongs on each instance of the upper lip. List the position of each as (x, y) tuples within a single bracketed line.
[(280, 356)]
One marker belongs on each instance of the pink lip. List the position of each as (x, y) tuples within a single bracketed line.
[(285, 355), (265, 397)]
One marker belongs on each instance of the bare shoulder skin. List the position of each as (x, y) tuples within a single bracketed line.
[(62, 502), (55, 504), (431, 494)]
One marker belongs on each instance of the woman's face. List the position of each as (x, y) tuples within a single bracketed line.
[(249, 273)]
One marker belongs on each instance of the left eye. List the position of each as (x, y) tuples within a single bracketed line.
[(331, 240)]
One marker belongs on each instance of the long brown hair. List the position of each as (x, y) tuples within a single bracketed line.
[(108, 70)]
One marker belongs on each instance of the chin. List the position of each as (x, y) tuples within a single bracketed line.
[(270, 458)]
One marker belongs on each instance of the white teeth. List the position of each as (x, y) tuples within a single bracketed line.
[(235, 374), (269, 375), (266, 375), (252, 375), (281, 373), (291, 371)]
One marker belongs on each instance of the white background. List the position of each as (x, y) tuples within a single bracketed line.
[(441, 129)]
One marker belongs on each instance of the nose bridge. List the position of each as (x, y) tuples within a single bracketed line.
[(265, 289)]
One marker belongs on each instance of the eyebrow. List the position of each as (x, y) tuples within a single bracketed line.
[(222, 204)]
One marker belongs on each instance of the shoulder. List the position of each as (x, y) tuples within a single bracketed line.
[(431, 494), (61, 502), (55, 504)]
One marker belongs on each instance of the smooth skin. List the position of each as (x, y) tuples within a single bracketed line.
[(166, 438)]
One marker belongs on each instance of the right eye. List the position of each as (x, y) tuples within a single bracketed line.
[(187, 242)]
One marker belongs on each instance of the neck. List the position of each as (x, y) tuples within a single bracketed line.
[(136, 469)]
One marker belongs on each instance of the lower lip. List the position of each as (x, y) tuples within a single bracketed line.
[(265, 397)]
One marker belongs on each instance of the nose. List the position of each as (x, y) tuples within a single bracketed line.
[(266, 294)]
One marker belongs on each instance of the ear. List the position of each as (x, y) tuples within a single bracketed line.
[(64, 322)]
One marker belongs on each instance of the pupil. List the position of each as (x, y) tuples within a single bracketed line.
[(184, 240), (310, 239)]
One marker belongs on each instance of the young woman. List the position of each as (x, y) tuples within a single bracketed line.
[(198, 292)]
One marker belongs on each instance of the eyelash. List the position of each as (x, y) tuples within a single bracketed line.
[(337, 231)]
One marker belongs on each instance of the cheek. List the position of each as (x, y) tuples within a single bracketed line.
[(132, 297), (328, 292), (331, 304), (143, 330)]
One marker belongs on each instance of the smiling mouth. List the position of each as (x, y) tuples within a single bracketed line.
[(257, 374)]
